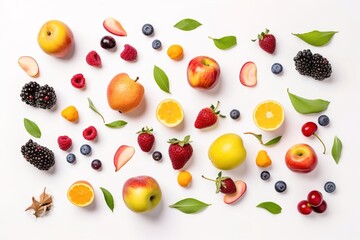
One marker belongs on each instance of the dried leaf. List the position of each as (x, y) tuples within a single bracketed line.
[(42, 206)]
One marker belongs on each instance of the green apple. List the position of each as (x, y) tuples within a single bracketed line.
[(141, 193), (227, 151)]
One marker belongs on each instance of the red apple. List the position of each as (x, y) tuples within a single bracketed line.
[(122, 155), (301, 158), (203, 72)]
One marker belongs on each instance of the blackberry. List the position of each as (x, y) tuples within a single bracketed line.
[(304, 62), (45, 97), (39, 156), (321, 67), (28, 93)]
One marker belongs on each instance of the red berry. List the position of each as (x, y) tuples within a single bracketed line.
[(223, 184), (93, 59), (146, 139), (310, 128), (129, 53), (90, 133), (267, 41), (207, 117), (64, 142), (304, 207), (180, 152), (315, 198), (78, 81), (321, 208)]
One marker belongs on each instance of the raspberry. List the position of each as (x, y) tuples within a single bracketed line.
[(129, 53), (78, 81), (64, 142), (90, 133), (93, 59)]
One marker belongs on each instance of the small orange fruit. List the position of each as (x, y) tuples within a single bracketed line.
[(81, 193), (70, 113), (169, 112), (269, 115), (175, 52), (184, 178), (262, 159)]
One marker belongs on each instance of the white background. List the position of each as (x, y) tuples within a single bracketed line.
[(20, 21)]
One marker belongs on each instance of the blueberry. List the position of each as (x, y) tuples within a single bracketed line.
[(276, 68), (156, 44), (280, 186), (96, 164), (329, 187), (148, 29), (323, 120), (265, 175), (234, 114), (85, 149), (157, 155), (108, 42), (71, 158)]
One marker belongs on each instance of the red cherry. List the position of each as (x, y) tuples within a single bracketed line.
[(309, 129), (315, 198), (321, 208), (304, 207)]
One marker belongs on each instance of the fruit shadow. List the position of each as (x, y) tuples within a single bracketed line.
[(140, 110), (155, 213)]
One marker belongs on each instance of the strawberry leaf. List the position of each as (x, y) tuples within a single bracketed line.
[(32, 128), (224, 42), (161, 79), (187, 24)]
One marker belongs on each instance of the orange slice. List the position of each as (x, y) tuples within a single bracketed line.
[(169, 112), (269, 115), (81, 193)]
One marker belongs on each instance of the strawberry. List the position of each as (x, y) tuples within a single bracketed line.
[(146, 139), (207, 117), (267, 41), (223, 184), (180, 151)]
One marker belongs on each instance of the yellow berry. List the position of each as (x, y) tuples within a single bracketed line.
[(175, 52), (70, 113), (263, 159), (184, 178)]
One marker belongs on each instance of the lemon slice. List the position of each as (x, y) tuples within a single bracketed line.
[(269, 115), (169, 112)]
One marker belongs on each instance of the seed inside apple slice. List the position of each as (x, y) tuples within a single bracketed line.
[(248, 74), (240, 190), (114, 26), (123, 154), (29, 65)]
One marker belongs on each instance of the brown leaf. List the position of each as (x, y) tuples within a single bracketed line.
[(41, 207), (45, 199), (34, 206)]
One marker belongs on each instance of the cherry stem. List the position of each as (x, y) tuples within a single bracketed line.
[(321, 142), (208, 178)]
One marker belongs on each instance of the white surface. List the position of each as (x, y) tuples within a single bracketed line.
[(20, 21)]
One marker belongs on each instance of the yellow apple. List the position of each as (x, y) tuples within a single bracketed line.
[(56, 39)]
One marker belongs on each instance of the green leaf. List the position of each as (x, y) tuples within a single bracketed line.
[(189, 205), (271, 207), (32, 128), (224, 42), (92, 107), (108, 198), (116, 124), (307, 106), (315, 37), (273, 141), (187, 24), (336, 149), (161, 79), (258, 136)]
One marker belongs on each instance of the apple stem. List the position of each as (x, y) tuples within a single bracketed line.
[(208, 178), (137, 78), (321, 142)]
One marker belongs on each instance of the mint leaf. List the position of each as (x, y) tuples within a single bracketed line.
[(32, 128), (336, 149), (116, 124), (108, 198)]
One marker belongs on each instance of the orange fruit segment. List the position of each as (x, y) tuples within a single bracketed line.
[(269, 115), (169, 112), (81, 193)]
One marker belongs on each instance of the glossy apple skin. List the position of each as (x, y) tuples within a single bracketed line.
[(301, 158), (56, 39), (203, 72), (141, 193)]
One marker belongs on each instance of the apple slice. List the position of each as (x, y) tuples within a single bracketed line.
[(114, 26), (240, 190), (122, 156), (29, 65), (248, 74)]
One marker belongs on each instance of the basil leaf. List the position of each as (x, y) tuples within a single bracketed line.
[(273, 141), (271, 207), (224, 42), (161, 79), (258, 136), (116, 124), (187, 24), (32, 128), (336, 149), (315, 37), (306, 106), (108, 198), (92, 107), (189, 205)]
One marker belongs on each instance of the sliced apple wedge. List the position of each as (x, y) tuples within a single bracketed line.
[(248, 74), (240, 190), (29, 65), (122, 156), (114, 26)]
